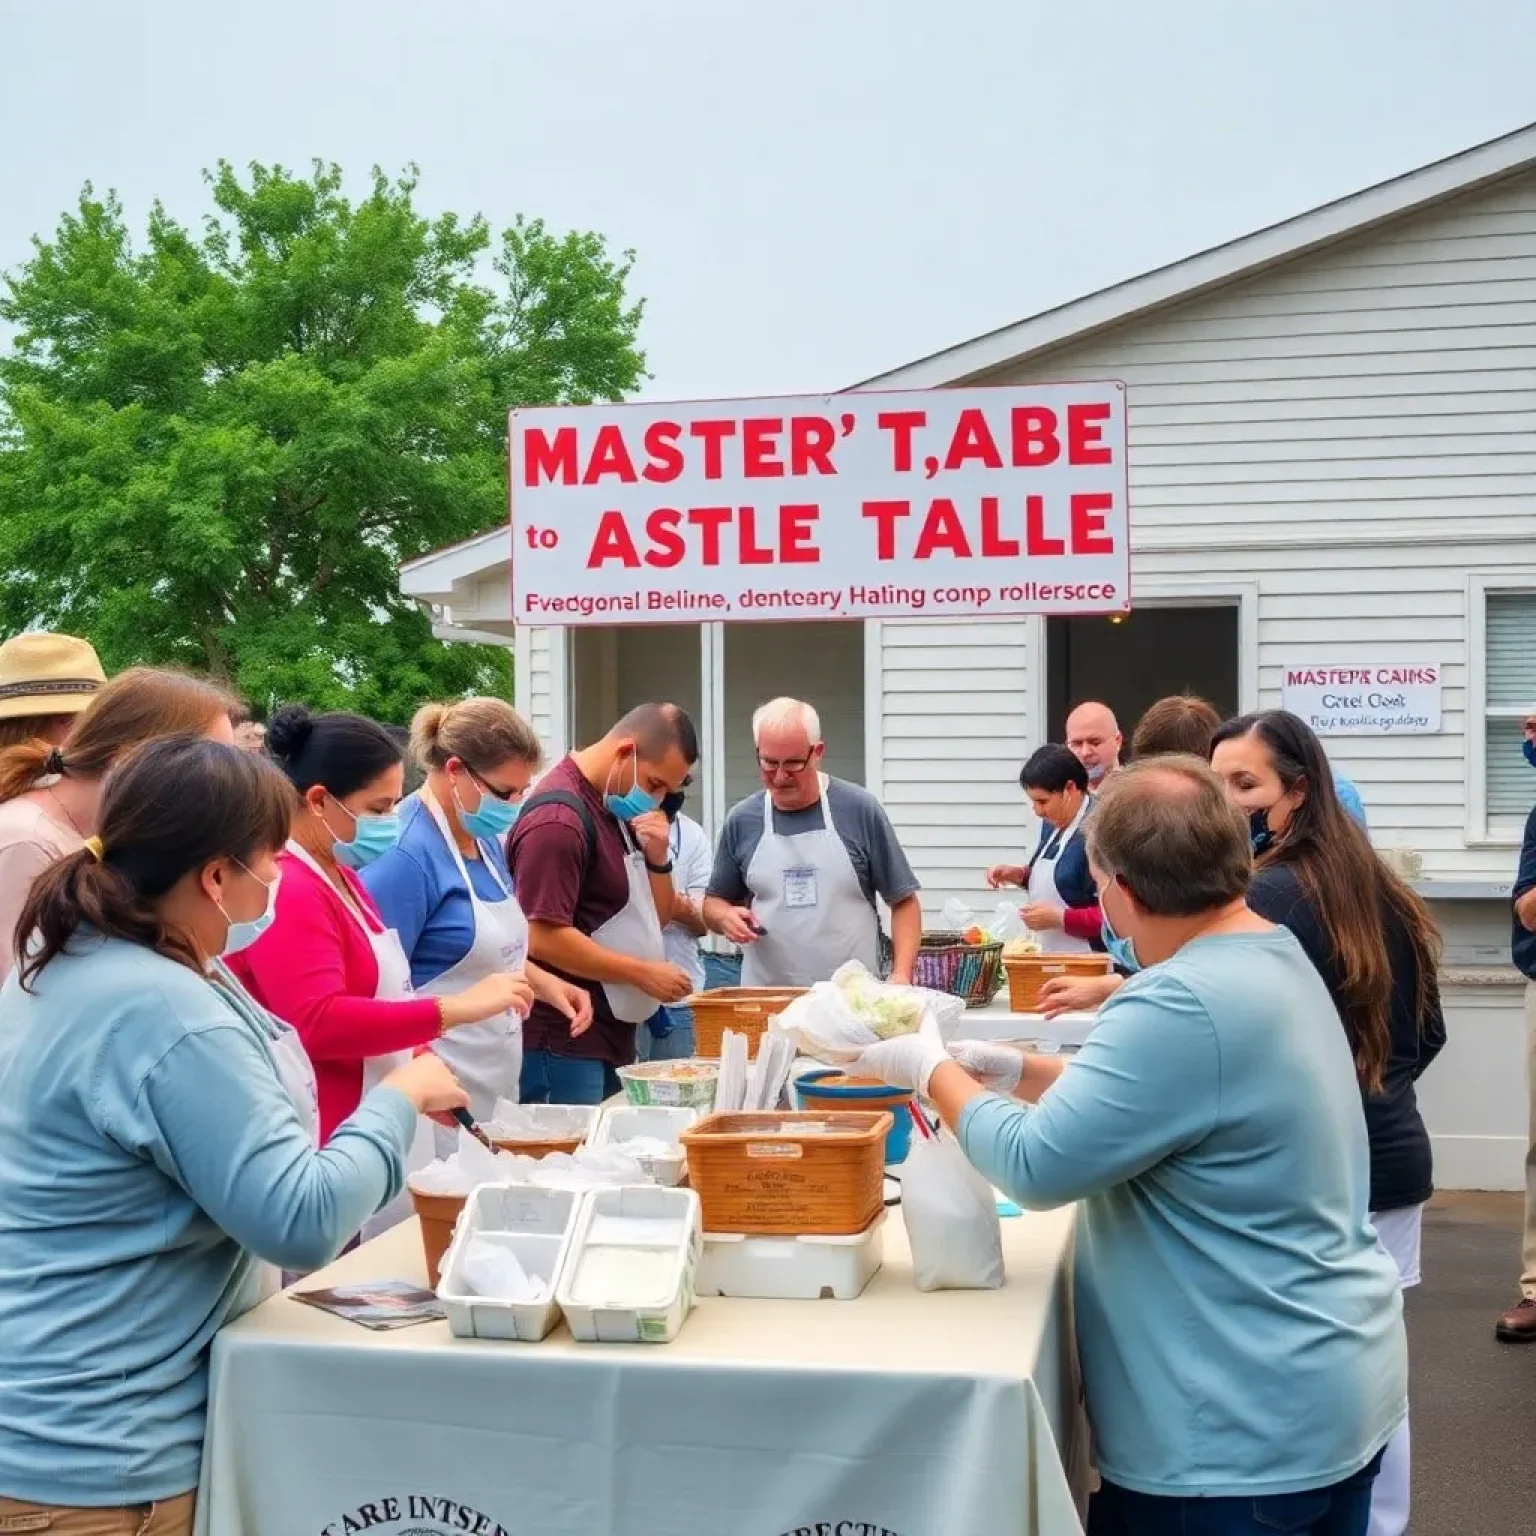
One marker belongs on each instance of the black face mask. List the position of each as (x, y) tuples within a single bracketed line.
[(672, 803), (1259, 834)]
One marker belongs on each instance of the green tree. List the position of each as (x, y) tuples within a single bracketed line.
[(217, 448)]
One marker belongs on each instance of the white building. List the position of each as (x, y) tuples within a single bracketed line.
[(1332, 460)]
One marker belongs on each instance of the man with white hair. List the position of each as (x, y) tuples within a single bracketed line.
[(798, 867), (1093, 735)]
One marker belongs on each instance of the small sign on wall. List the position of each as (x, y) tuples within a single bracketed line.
[(1366, 699)]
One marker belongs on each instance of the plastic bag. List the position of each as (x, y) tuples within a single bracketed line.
[(836, 1021), (951, 1218), (998, 926)]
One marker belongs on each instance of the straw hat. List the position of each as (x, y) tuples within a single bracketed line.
[(44, 674)]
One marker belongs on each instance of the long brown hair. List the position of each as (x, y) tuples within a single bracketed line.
[(1356, 895), (172, 807), (138, 705)]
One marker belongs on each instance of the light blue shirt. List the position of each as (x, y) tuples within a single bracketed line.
[(420, 893), (1349, 798), (147, 1151), (1241, 1331)]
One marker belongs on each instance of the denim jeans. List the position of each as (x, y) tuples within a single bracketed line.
[(1342, 1509), (676, 1044), (721, 970), (552, 1079)]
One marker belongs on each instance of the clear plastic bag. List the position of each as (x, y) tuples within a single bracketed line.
[(836, 1021), (1000, 925), (950, 1212)]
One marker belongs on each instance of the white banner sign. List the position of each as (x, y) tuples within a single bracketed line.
[(926, 504), (1366, 699)]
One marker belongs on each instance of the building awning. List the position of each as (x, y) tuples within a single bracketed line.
[(467, 588)]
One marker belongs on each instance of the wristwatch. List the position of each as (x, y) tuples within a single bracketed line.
[(659, 869)]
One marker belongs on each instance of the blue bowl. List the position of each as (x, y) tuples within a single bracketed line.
[(812, 1091)]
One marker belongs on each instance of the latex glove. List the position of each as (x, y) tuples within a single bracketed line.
[(997, 1067), (908, 1061), (1041, 915)]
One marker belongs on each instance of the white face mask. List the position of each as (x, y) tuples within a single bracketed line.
[(243, 935)]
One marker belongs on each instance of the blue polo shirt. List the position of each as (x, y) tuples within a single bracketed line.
[(420, 893)]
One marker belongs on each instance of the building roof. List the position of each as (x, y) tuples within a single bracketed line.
[(970, 361)]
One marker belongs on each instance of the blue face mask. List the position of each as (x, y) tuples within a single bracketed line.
[(491, 819), (635, 803), (1529, 747), (371, 836), (243, 935), (1121, 951)]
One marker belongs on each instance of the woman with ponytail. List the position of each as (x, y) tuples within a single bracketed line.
[(49, 795), (153, 1150), (330, 965)]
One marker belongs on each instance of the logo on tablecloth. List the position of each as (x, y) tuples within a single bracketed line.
[(842, 1528), (417, 1514)]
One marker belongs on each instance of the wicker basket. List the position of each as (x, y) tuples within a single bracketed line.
[(746, 1010), (946, 963), (537, 1148), (438, 1215), (768, 1173), (1028, 973)]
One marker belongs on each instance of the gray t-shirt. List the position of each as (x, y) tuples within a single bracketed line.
[(862, 825)]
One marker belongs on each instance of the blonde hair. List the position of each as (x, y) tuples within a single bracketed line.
[(786, 714), (139, 705), (481, 733)]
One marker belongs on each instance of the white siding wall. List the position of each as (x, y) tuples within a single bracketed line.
[(1353, 431)]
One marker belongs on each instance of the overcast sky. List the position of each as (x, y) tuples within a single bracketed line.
[(816, 190)]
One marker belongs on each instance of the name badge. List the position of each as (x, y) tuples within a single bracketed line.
[(800, 888)]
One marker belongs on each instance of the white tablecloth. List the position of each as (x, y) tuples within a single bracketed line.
[(898, 1414)]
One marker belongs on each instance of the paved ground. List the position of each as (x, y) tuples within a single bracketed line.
[(1474, 1399)]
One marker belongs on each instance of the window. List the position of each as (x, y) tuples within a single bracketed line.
[(1509, 696)]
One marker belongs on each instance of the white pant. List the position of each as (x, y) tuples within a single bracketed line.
[(1399, 1233)]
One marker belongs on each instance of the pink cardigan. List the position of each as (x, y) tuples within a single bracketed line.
[(314, 969)]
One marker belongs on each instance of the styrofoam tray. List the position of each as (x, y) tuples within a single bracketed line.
[(537, 1226), (618, 1122), (551, 1122), (633, 1216), (791, 1268)]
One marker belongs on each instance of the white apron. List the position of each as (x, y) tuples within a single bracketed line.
[(394, 986), (487, 1058), (634, 930), (295, 1072), (1042, 887), (806, 894)]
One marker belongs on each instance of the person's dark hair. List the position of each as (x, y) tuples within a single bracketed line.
[(1164, 827), (1351, 888), (657, 728), (173, 806), (1182, 723), (341, 753), (1051, 768)]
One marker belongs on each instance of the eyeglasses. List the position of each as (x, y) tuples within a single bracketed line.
[(788, 764), (504, 795)]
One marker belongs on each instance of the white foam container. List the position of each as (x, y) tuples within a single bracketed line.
[(553, 1122), (644, 1208), (791, 1268), (620, 1122), (537, 1225)]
